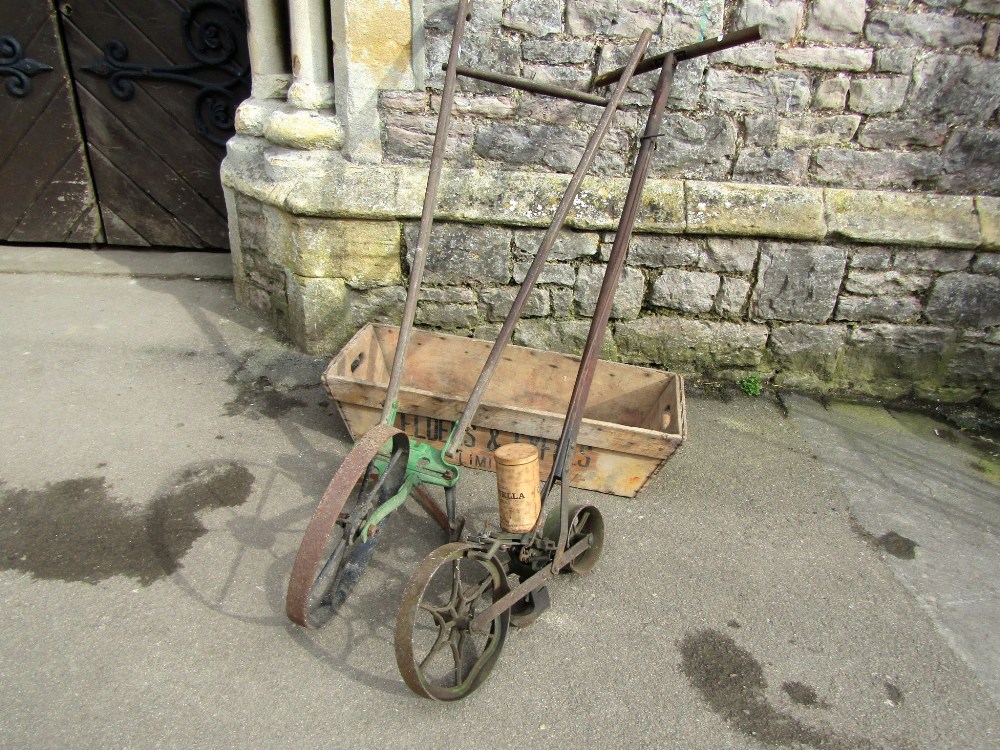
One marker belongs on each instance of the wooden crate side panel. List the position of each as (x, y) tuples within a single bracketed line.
[(526, 378), (523, 421), (593, 468), (361, 359), (667, 413)]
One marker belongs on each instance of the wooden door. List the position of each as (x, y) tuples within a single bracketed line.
[(155, 84), (46, 190)]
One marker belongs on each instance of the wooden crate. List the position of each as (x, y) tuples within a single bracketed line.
[(633, 423)]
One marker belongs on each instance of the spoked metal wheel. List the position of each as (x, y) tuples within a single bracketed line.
[(583, 520), (438, 654), (332, 555)]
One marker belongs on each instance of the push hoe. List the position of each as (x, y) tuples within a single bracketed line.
[(462, 598)]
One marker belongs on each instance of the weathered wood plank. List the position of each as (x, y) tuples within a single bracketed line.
[(618, 455), (46, 189), (143, 215), (150, 172)]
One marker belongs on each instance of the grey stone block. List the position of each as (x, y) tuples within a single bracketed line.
[(628, 296), (954, 89), (797, 282), (878, 96), (772, 165), (497, 303), (807, 349), (987, 263), (875, 169), (558, 52), (893, 29), (453, 294), (761, 58), (562, 274), (892, 360), (779, 19), (461, 253), (567, 76), (448, 316), (895, 60), (558, 148), (562, 302), (684, 345), (761, 130), (538, 17), (729, 255), (876, 258), (885, 283), (663, 251), (381, 305), (732, 297), (989, 7), (611, 17), (568, 245), (817, 131), (730, 91), (932, 260), (972, 161), (972, 366), (701, 148), (878, 309), (565, 336), (685, 291), (883, 134), (828, 58), (966, 300), (835, 20), (831, 94)]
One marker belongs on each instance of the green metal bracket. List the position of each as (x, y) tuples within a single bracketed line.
[(426, 465)]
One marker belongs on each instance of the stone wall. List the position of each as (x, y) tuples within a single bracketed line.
[(821, 209)]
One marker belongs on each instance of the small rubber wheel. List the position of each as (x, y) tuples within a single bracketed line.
[(438, 654), (584, 520)]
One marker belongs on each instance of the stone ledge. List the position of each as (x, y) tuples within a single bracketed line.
[(902, 218), (339, 189), (747, 210), (989, 221)]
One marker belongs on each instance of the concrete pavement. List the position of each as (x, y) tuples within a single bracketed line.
[(797, 576)]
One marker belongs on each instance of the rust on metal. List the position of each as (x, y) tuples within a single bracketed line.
[(311, 555), (453, 620), (535, 87), (538, 264), (691, 51), (427, 214)]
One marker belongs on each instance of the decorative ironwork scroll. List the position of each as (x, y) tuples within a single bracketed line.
[(17, 68), (212, 30)]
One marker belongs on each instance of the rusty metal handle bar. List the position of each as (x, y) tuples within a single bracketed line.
[(538, 264), (605, 299), (515, 82), (707, 47), (426, 217)]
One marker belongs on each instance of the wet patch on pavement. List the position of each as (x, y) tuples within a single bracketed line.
[(77, 530), (173, 525), (892, 542), (260, 398), (731, 681), (803, 695)]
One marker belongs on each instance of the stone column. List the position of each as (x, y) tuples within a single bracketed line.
[(267, 50), (374, 46), (311, 87)]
